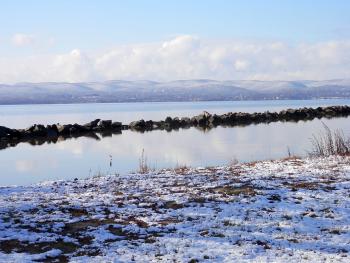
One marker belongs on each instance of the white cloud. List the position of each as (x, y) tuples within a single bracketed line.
[(187, 57), (241, 65), (75, 66), (22, 39)]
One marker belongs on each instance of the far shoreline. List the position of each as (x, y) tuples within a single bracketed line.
[(171, 101)]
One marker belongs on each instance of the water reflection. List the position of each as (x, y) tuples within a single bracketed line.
[(37, 140), (86, 156)]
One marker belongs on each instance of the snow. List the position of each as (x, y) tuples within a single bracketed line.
[(294, 210)]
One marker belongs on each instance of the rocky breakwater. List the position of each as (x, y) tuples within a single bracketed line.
[(38, 134), (207, 121)]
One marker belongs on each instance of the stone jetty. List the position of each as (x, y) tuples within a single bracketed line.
[(38, 133)]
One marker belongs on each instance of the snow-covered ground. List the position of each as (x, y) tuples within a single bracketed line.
[(274, 211)]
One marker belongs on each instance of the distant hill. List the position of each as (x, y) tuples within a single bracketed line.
[(180, 90)]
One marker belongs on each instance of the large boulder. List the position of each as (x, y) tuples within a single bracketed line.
[(168, 119), (116, 125), (185, 121), (242, 117), (287, 114), (206, 114), (92, 124), (138, 125), (171, 123), (158, 125), (201, 119), (149, 125), (215, 120), (52, 130), (64, 129), (329, 112), (176, 122), (36, 130), (76, 128), (225, 118), (5, 132), (105, 124)]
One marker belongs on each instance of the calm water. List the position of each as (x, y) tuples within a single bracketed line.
[(83, 157)]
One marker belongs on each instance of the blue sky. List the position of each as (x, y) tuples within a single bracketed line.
[(38, 27)]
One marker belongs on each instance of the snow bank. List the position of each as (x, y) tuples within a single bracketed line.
[(274, 211)]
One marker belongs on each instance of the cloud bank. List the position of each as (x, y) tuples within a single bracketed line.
[(22, 39), (186, 57)]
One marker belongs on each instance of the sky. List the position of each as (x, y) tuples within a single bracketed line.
[(77, 41)]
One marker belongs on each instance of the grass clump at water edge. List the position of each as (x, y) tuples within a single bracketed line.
[(330, 143)]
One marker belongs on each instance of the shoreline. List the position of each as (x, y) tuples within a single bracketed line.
[(38, 134), (279, 210), (176, 101)]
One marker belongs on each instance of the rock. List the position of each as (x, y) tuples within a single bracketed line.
[(138, 125), (176, 123), (171, 123), (257, 116), (301, 114), (290, 111), (206, 114), (64, 129), (168, 119), (92, 124), (215, 120), (52, 130), (149, 125), (329, 112), (185, 121), (36, 130), (242, 117), (225, 118), (157, 125), (105, 124), (79, 129), (116, 125), (5, 132), (73, 129), (202, 119)]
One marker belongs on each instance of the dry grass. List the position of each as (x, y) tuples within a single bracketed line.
[(234, 161), (235, 191), (330, 143), (291, 158), (143, 164), (181, 169)]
